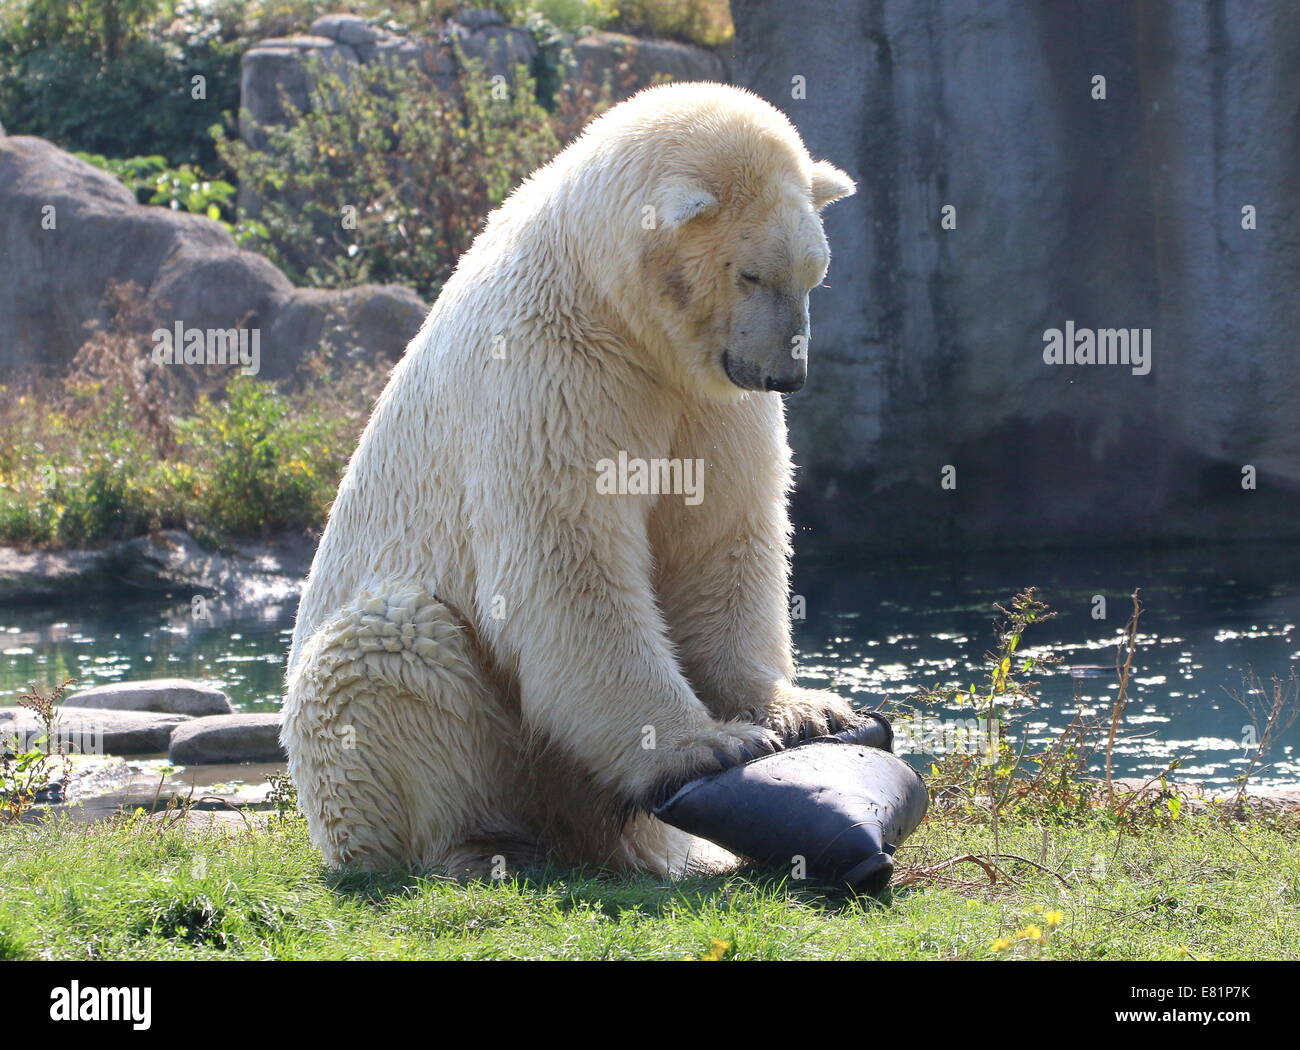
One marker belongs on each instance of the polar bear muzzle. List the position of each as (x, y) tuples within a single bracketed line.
[(768, 345)]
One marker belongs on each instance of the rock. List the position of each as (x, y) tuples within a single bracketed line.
[(351, 320), (597, 54), (927, 344), (433, 59), (166, 695), (500, 48), (98, 732), (169, 562), (345, 28), (189, 268), (227, 738), (276, 71), (480, 18)]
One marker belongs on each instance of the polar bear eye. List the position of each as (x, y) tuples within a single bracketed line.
[(750, 278)]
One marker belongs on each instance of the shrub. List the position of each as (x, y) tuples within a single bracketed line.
[(102, 76), (258, 463), (706, 22), (77, 467), (571, 16), (121, 447), (386, 178), (180, 189)]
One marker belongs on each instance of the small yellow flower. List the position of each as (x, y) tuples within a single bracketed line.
[(1002, 944), (1030, 933), (1036, 907), (716, 951), (1054, 918)]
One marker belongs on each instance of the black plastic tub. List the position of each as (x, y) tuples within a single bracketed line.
[(831, 810)]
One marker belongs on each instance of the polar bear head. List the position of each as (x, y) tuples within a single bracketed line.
[(730, 239)]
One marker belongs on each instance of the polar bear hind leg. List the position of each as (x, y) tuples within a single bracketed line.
[(402, 751)]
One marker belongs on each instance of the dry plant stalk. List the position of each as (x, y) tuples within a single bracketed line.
[(1123, 668)]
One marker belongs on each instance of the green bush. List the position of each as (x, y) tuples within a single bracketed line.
[(120, 448), (387, 178), (116, 85), (181, 189), (71, 475), (250, 460), (706, 22), (255, 463), (99, 27), (571, 16)]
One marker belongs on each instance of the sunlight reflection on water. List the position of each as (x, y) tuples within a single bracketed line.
[(872, 630)]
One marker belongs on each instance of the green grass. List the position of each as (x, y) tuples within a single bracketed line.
[(1200, 889)]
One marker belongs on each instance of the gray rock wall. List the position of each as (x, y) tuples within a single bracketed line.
[(279, 67), (1123, 212)]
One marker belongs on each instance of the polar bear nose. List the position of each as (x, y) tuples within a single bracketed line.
[(786, 372), (787, 384)]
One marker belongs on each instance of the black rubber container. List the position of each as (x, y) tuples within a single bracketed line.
[(873, 730), (841, 806)]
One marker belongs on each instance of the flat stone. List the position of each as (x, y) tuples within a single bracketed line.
[(91, 731), (302, 42), (174, 696), (227, 739), (345, 28), (479, 18)]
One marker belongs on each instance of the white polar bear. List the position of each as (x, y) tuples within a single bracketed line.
[(501, 657)]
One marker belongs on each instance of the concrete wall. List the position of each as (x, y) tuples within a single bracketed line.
[(1124, 212)]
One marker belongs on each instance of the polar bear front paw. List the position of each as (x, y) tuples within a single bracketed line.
[(731, 743), (798, 714), (712, 749)]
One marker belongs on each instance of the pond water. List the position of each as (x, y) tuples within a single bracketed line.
[(870, 628)]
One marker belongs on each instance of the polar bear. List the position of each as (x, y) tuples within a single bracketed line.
[(505, 654)]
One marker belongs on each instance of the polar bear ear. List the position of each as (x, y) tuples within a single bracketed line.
[(681, 201), (829, 184)]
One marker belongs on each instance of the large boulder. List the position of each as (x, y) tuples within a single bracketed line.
[(599, 54), (275, 75), (227, 738), (95, 732), (352, 30), (174, 696), (927, 346), (279, 70), (67, 228), (483, 36)]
